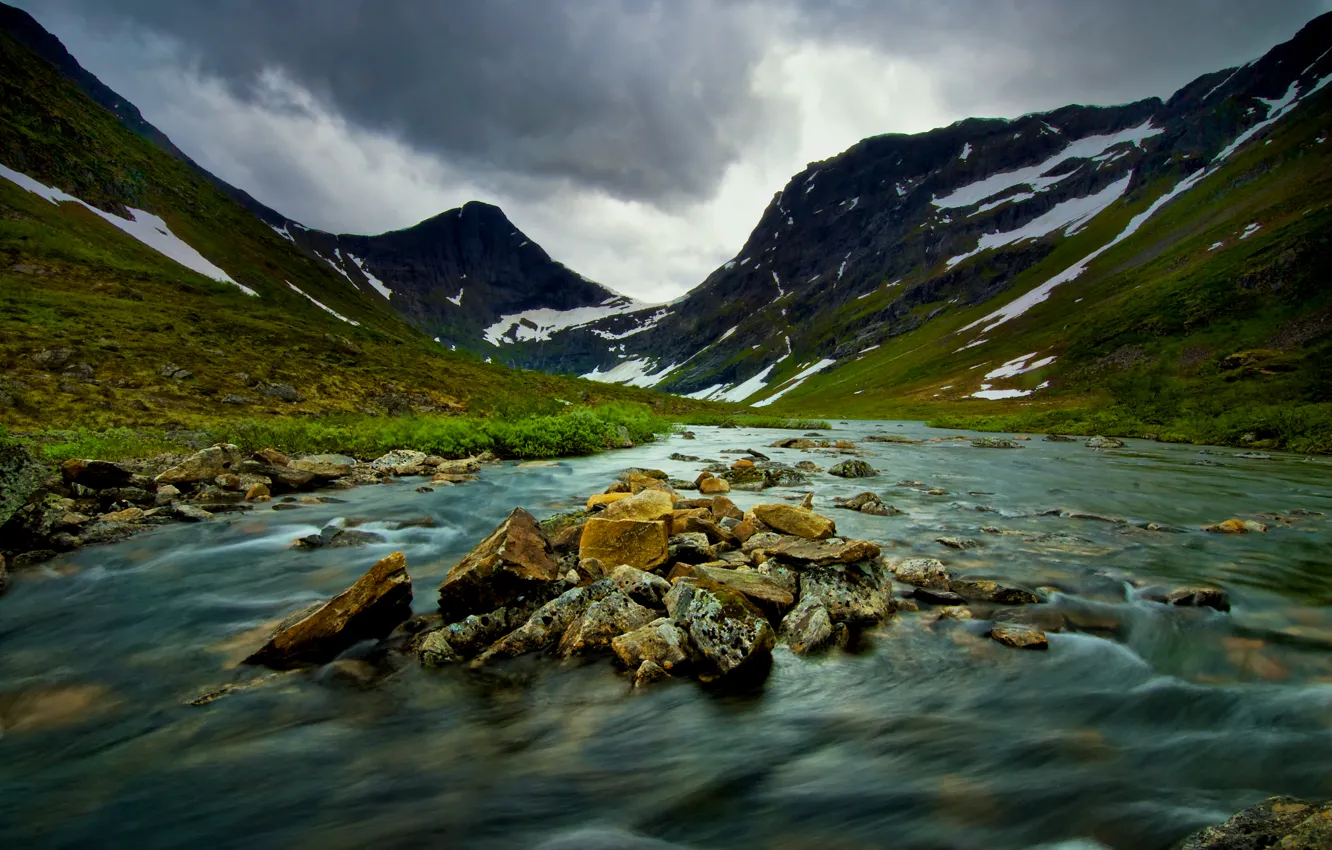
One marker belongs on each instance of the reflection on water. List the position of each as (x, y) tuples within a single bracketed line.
[(1139, 724)]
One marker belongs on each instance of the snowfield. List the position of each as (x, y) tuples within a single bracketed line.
[(143, 226)]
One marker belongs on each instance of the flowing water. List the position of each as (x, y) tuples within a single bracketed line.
[(1140, 723)]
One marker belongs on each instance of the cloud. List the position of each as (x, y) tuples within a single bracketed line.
[(638, 141)]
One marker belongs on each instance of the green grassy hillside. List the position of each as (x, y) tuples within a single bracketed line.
[(136, 339), (1184, 330)]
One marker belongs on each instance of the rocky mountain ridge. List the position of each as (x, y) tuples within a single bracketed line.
[(900, 230)]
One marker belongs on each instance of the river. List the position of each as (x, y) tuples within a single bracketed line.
[(1141, 722)]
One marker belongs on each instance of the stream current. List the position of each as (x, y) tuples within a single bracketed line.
[(1141, 723)]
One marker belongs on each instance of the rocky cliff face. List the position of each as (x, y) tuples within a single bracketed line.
[(899, 231)]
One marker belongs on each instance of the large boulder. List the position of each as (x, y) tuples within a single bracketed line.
[(97, 474), (368, 610), (1105, 443), (400, 462), (203, 465), (514, 560), (1281, 823), (730, 636), (604, 619), (638, 543), (856, 594), (282, 478), (661, 642), (853, 469), (326, 467), (21, 476), (789, 519), (801, 552), (646, 505)]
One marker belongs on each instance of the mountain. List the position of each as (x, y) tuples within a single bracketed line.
[(1040, 256), (137, 288), (468, 278)]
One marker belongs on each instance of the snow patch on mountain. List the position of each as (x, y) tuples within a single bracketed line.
[(647, 324), (1033, 176), (374, 281), (326, 309), (455, 300), (631, 373), (1071, 215), (795, 382), (540, 323), (143, 226)]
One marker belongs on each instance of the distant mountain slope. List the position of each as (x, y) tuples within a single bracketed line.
[(134, 289), (467, 277), (907, 251)]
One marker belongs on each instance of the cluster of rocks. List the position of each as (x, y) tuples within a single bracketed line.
[(1277, 822), (668, 584), (87, 502)]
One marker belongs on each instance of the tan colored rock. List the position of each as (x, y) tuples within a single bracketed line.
[(807, 628), (368, 610), (127, 515), (514, 560), (325, 466), (743, 463), (713, 486), (1020, 637), (638, 543), (257, 493), (1236, 526), (203, 465), (604, 499), (680, 517), (639, 482), (660, 641), (723, 508), (273, 456), (821, 552), (649, 672), (228, 481), (769, 596), (465, 466), (645, 505), (923, 572), (789, 519)]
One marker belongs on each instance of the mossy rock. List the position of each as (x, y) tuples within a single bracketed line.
[(21, 475)]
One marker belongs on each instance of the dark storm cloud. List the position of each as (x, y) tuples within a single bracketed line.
[(1040, 54), (652, 99), (645, 100)]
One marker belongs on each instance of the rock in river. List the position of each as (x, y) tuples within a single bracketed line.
[(923, 572), (1281, 823), (984, 590), (789, 519), (808, 628), (730, 635), (660, 641), (606, 618), (203, 465), (853, 469), (1105, 443), (1019, 637), (823, 552), (638, 543), (514, 561), (855, 594), (369, 609)]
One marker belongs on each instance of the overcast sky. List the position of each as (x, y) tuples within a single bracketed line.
[(637, 141)]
